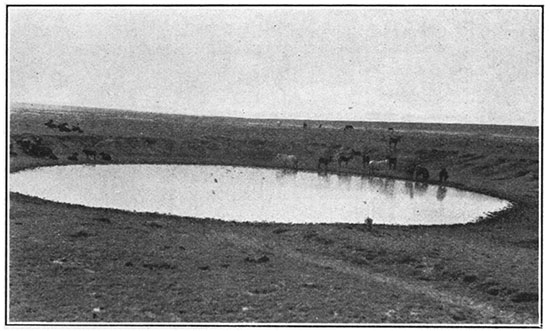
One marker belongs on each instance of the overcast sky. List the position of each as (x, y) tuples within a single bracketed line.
[(419, 64)]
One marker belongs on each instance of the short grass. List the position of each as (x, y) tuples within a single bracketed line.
[(77, 264)]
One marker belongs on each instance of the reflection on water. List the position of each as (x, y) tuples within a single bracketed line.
[(441, 193), (254, 194)]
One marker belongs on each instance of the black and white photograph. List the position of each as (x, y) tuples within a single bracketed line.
[(273, 165)]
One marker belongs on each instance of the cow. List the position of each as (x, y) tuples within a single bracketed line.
[(76, 128), (377, 165), (421, 172), (64, 127), (392, 161), (73, 157), (326, 159), (443, 175), (105, 156), (50, 124), (12, 151), (348, 127), (287, 160), (365, 159), (89, 153), (345, 156), (42, 151)]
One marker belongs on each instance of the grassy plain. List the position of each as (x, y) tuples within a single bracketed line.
[(76, 264)]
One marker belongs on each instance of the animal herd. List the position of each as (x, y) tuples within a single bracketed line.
[(343, 156), (63, 127), (91, 154), (33, 145)]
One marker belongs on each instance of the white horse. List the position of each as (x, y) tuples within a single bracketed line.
[(377, 165), (288, 160)]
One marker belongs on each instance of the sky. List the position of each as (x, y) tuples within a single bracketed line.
[(403, 64)]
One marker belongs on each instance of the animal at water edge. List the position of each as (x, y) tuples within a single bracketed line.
[(348, 127), (378, 165), (421, 172), (105, 156), (326, 159), (287, 160), (365, 159), (89, 153), (443, 175), (368, 222), (392, 162), (73, 157), (42, 151), (346, 156)]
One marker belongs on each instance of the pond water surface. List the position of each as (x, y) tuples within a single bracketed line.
[(254, 194)]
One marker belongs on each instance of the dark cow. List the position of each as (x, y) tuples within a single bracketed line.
[(304, 125), (12, 151), (73, 157), (105, 156), (42, 151), (76, 128), (392, 162), (443, 175), (28, 143), (346, 156), (421, 172), (50, 124), (348, 127), (324, 160), (64, 127), (89, 153)]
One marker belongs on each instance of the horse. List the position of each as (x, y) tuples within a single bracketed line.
[(443, 175), (346, 156), (394, 140), (288, 160), (377, 165)]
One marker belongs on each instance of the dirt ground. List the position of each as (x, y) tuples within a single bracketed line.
[(71, 263)]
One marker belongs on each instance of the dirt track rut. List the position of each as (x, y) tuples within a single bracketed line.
[(489, 314)]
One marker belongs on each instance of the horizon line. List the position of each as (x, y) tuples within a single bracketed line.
[(35, 104)]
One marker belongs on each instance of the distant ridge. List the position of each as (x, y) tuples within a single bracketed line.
[(532, 131)]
